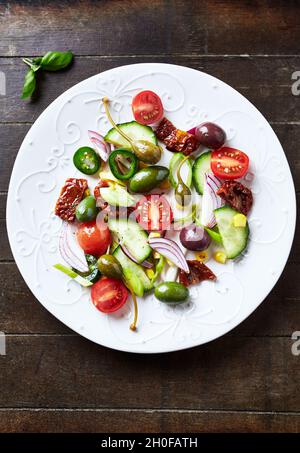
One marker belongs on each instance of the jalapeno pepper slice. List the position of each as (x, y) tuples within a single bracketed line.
[(86, 160), (123, 164)]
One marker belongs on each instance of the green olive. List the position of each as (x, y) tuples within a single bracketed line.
[(146, 151), (171, 292), (109, 266), (148, 178), (87, 210)]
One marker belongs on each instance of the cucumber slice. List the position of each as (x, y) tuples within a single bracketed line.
[(132, 236), (134, 274), (200, 167), (70, 273), (117, 196), (234, 238), (134, 130), (185, 171)]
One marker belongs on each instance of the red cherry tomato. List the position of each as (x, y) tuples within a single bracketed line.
[(229, 163), (147, 107), (92, 239), (109, 294), (154, 213)]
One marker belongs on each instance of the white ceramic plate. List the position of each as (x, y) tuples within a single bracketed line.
[(45, 161)]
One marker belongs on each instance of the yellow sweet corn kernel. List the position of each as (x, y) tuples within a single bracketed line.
[(220, 257), (202, 256), (87, 193), (154, 234), (239, 220)]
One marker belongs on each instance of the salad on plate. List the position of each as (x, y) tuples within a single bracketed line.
[(137, 224)]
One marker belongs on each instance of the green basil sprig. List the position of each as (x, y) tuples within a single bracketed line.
[(29, 84), (52, 61)]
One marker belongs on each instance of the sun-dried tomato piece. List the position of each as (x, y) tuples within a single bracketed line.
[(70, 196), (175, 139), (198, 273), (236, 195)]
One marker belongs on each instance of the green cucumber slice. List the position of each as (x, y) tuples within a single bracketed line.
[(134, 274), (117, 196), (234, 238), (200, 167), (132, 235), (134, 131), (185, 171)]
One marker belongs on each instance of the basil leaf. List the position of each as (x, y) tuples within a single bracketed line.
[(29, 84), (36, 63), (54, 61)]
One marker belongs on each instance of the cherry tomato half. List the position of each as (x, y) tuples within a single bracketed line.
[(109, 294), (154, 213), (93, 240), (229, 163), (147, 107)]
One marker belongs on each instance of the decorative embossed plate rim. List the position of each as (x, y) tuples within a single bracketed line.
[(45, 160)]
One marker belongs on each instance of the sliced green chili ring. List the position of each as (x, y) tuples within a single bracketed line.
[(87, 160), (93, 274), (123, 164)]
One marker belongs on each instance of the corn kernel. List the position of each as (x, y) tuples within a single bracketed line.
[(87, 193), (154, 234), (156, 255), (220, 257), (202, 256), (240, 220)]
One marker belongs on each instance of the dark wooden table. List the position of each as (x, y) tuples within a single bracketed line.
[(53, 380)]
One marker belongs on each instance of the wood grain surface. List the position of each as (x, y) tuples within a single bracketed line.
[(50, 378)]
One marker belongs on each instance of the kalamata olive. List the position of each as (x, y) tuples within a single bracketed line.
[(171, 292), (210, 135), (195, 238)]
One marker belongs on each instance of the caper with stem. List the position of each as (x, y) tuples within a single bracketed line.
[(143, 149), (183, 193), (109, 266)]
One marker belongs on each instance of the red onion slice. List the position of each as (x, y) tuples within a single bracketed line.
[(170, 250), (70, 251), (210, 200), (145, 263), (103, 148)]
